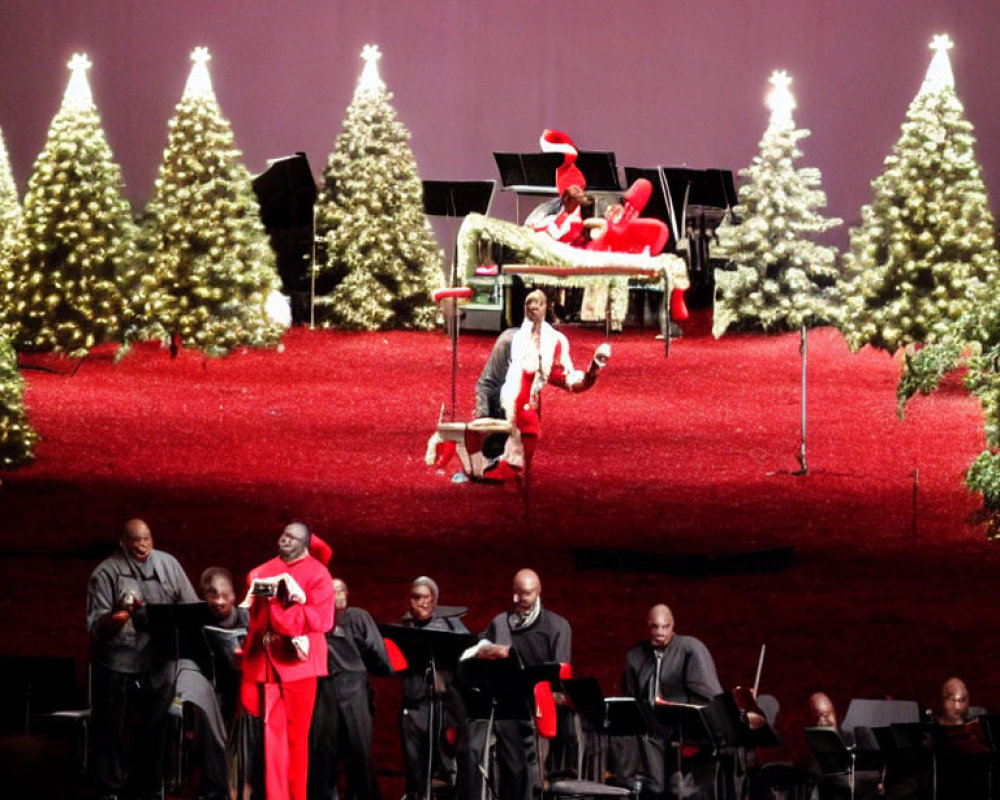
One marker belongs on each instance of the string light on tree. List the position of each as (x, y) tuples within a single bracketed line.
[(942, 286), (209, 269), (17, 439), (380, 257), (779, 277), (11, 220), (925, 246), (77, 237)]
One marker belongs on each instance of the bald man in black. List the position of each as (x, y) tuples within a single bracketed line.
[(537, 636), (666, 668)]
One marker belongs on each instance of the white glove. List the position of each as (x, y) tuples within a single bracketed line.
[(301, 644), (601, 355)]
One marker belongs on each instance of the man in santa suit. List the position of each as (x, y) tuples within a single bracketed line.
[(564, 223), (291, 601), (539, 354)]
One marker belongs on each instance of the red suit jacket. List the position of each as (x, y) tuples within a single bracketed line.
[(277, 659)]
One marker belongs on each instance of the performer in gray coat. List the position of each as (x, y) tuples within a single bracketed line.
[(132, 683)]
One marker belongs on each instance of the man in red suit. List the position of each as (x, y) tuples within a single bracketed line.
[(291, 600)]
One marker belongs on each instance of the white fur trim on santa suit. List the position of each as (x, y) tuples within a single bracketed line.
[(552, 141), (552, 352), (566, 226)]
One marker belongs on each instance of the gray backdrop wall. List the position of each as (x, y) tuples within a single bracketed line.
[(658, 81)]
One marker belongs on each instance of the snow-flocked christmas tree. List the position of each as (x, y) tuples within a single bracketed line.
[(77, 235), (211, 271), (925, 245), (17, 439), (783, 277), (380, 250)]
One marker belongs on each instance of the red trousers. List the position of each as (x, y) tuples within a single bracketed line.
[(287, 709)]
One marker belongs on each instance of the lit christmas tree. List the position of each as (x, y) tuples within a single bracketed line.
[(17, 439), (926, 243), (380, 250), (783, 278), (77, 234), (211, 272), (11, 220), (972, 341)]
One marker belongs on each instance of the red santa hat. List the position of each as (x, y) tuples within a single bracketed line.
[(567, 173), (320, 550)]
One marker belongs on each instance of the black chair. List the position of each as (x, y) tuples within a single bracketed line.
[(41, 695)]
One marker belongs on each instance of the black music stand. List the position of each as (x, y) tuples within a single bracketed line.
[(681, 191), (608, 717), (718, 726), (176, 629), (600, 169), (534, 174), (834, 757), (428, 650), (456, 199), (428, 647), (870, 720), (495, 689), (286, 193)]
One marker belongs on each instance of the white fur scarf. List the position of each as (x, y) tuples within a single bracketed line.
[(524, 359)]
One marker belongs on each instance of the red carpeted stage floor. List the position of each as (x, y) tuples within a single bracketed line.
[(891, 588)]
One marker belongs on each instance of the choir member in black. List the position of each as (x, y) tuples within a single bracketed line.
[(668, 668), (343, 718), (963, 758), (427, 693), (218, 591), (537, 636)]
